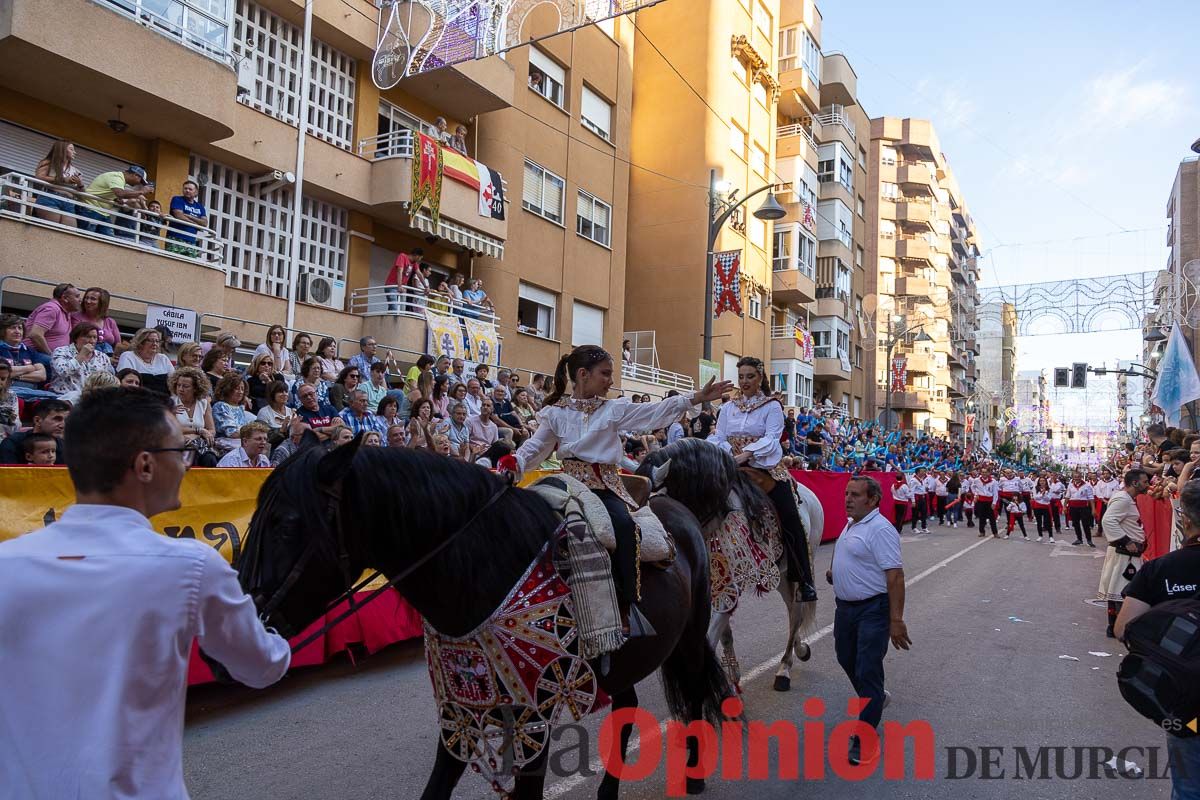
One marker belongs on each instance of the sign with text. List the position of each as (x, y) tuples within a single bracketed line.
[(179, 322), (709, 370)]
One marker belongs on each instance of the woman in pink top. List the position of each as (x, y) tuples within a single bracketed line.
[(94, 309)]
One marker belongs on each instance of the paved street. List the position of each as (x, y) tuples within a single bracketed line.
[(989, 620)]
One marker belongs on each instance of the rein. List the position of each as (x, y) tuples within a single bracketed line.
[(343, 556)]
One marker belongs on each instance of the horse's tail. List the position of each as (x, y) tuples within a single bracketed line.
[(694, 682)]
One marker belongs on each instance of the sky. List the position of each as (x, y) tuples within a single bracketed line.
[(1064, 123)]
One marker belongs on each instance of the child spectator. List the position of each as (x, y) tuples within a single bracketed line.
[(40, 449)]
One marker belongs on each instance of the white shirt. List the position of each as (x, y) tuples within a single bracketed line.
[(916, 486), (1106, 489), (986, 491), (1016, 507), (861, 554), (763, 421), (1027, 485), (97, 624), (595, 438), (1057, 490), (1010, 484), (939, 488), (473, 404), (240, 458), (161, 365), (901, 493), (1082, 492), (930, 484)]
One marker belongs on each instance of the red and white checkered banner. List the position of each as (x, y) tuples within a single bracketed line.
[(970, 423), (899, 373), (727, 282)]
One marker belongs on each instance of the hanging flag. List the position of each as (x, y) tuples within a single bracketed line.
[(427, 177), (810, 221), (458, 167), (491, 192), (483, 341), (727, 282), (970, 423), (444, 335), (1177, 383), (899, 373), (804, 341)]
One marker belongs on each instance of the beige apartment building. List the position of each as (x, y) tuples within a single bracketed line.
[(212, 92), (924, 252)]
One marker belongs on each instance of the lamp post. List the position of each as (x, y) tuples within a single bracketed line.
[(895, 334), (719, 211)]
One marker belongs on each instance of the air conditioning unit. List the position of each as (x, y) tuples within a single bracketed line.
[(245, 76), (322, 290)]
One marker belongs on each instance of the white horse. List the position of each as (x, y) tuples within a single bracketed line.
[(745, 546)]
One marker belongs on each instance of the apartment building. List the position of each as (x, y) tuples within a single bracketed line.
[(212, 91), (997, 365), (924, 254), (705, 93), (1178, 279)]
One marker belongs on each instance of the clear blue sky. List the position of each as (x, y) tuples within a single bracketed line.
[(1064, 123)]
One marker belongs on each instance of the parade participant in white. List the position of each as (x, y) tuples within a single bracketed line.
[(585, 426), (1080, 497), (100, 613), (1058, 491), (750, 429), (940, 494), (1105, 488), (920, 511), (1126, 543), (987, 500), (1027, 484), (902, 498), (1041, 509)]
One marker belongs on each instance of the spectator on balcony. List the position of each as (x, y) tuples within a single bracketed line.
[(260, 376), (191, 399), (439, 300), (49, 417), (424, 364), (129, 378), (310, 375), (327, 354), (441, 367), (440, 397), (150, 225), (229, 412), (456, 375), (93, 308), (57, 204), (74, 362), (421, 425), (400, 274), (253, 449), (113, 194), (356, 416), (459, 142), (535, 390), (321, 417), (626, 352), (301, 349), (215, 365), (277, 349), (419, 283), (503, 379), (424, 388), (228, 344), (397, 436), (389, 411), (190, 355), (10, 406), (277, 414), (49, 326), (458, 394), (144, 355), (524, 410), (456, 290), (477, 300), (347, 381), (187, 216), (456, 430), (26, 372), (474, 398), (443, 132), (372, 439)]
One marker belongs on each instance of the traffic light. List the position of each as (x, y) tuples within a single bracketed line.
[(1049, 434), (1078, 376), (1070, 434), (1093, 448), (1062, 377)]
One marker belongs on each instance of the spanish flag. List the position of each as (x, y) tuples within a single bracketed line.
[(458, 167)]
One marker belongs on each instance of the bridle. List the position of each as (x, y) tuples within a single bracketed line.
[(269, 611)]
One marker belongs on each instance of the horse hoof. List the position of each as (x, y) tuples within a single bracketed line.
[(695, 785), (803, 652), (783, 683)]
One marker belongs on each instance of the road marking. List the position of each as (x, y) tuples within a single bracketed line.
[(597, 766)]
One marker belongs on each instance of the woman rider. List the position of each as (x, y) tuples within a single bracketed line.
[(586, 428), (749, 427)]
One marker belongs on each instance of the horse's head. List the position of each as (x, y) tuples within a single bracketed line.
[(694, 472), (297, 558)]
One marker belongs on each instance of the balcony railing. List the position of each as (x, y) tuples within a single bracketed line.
[(783, 131), (398, 143), (185, 21), (394, 301), (836, 115), (32, 201), (660, 377)]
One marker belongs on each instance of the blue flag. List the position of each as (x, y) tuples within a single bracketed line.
[(1178, 383)]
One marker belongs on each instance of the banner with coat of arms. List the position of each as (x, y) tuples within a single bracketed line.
[(727, 282), (445, 336), (482, 339), (427, 177), (899, 373)]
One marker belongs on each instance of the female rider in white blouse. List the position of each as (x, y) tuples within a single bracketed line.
[(750, 427), (586, 428)]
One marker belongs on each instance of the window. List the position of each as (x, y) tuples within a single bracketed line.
[(846, 173), (737, 141), (587, 324), (738, 68), (199, 24), (806, 258), (594, 219), (822, 344), (812, 57), (862, 207), (843, 283), (392, 124), (756, 232), (546, 77), (542, 193), (762, 19), (596, 114), (889, 190), (756, 306), (759, 90), (787, 49), (887, 230), (843, 342), (858, 356), (536, 310), (858, 256), (862, 158), (887, 156), (758, 159), (825, 171), (781, 254)]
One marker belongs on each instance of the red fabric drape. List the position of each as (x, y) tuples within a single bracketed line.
[(830, 489), (1156, 522)]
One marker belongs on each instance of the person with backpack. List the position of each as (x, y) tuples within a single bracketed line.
[(1126, 543), (1174, 579)]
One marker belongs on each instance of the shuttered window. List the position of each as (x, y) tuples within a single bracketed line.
[(596, 114), (22, 148), (542, 193), (587, 324), (594, 219)]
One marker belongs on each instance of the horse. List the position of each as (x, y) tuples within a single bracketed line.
[(459, 539), (706, 480)]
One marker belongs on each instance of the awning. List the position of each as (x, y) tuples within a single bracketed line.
[(461, 235)]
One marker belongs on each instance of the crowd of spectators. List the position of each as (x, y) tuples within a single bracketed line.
[(452, 295)]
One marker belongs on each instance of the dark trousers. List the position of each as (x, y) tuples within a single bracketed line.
[(1027, 498), (970, 513), (624, 562), (900, 510), (1056, 515), (860, 637), (1081, 520), (1042, 515), (1114, 608), (1016, 519), (1103, 506), (791, 530), (941, 500), (984, 512), (920, 511)]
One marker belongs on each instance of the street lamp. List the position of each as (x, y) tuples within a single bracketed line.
[(895, 334), (1156, 335), (719, 211)]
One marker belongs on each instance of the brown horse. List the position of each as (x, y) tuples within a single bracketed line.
[(325, 517)]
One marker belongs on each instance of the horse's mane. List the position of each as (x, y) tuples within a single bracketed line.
[(702, 476)]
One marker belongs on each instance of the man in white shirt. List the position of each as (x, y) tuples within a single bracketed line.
[(1080, 497), (987, 500), (253, 452), (868, 582), (920, 510), (100, 612), (1010, 488), (1027, 484), (474, 399), (1058, 490), (901, 500), (1105, 488)]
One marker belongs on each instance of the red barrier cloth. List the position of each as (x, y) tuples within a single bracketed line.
[(386, 620), (830, 489), (1156, 522)]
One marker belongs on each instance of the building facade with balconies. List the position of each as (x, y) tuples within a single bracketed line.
[(923, 252), (212, 91), (1183, 258)]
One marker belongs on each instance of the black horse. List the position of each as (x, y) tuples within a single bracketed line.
[(325, 517)]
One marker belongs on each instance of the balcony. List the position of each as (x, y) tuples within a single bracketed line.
[(833, 369), (795, 141), (793, 286), (836, 124), (49, 50), (921, 362), (643, 373), (463, 91), (910, 401), (913, 287), (838, 248), (914, 247), (914, 212), (916, 173), (839, 84), (785, 347), (799, 93), (831, 305), (391, 193)]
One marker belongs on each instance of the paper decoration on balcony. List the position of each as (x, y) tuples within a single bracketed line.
[(491, 192), (482, 339), (427, 177), (810, 221), (899, 373), (445, 336), (418, 36), (804, 341), (727, 284)]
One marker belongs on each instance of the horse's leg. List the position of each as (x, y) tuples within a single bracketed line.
[(783, 673), (610, 784), (532, 778), (446, 771), (732, 668)]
